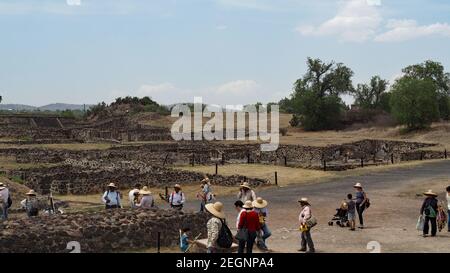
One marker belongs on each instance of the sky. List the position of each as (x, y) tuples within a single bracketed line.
[(227, 51)]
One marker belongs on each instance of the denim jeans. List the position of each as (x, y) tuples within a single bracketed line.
[(307, 240), (4, 212), (248, 244), (360, 209), (266, 233)]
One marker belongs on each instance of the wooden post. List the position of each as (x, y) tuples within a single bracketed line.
[(248, 157), (285, 161), (276, 178), (362, 162), (421, 155), (217, 168), (167, 193), (223, 158), (324, 165), (193, 160), (445, 154), (392, 158), (159, 242)]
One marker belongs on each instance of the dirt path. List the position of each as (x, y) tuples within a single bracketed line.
[(390, 220)]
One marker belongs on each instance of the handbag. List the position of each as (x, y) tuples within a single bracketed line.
[(311, 222), (242, 233)]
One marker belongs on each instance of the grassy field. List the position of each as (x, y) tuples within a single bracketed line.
[(9, 163)]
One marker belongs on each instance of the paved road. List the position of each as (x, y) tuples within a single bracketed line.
[(337, 187)]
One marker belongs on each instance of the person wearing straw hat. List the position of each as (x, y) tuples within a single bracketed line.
[(248, 228), (214, 225), (304, 216), (147, 201), (429, 210), (111, 197), (133, 196), (246, 193), (205, 194), (361, 203), (30, 204), (260, 207), (4, 201), (177, 198)]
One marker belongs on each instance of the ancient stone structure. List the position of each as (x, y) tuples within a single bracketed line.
[(105, 231)]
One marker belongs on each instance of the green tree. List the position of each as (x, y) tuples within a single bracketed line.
[(316, 102), (435, 72), (414, 102), (369, 96)]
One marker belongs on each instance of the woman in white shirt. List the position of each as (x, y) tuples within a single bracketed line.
[(147, 201)]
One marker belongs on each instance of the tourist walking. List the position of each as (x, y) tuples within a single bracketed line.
[(147, 201), (307, 244), (448, 206), (260, 207), (205, 194), (5, 201), (214, 225), (361, 203), (111, 197), (246, 193), (30, 204), (238, 205), (177, 198), (133, 196), (429, 211), (248, 228)]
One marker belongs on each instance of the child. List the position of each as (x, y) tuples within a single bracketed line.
[(184, 239), (351, 209)]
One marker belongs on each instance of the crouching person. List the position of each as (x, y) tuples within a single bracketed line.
[(111, 197), (30, 204)]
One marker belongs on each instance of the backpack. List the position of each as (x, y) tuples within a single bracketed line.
[(225, 238)]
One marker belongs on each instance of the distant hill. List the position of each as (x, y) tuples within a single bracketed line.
[(49, 107)]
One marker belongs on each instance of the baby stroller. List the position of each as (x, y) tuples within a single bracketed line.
[(341, 217)]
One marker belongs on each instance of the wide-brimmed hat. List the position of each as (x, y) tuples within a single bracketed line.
[(31, 192), (145, 191), (112, 185), (2, 186), (245, 185), (206, 179), (248, 205), (260, 203), (303, 200), (430, 193), (177, 186), (216, 209), (357, 185)]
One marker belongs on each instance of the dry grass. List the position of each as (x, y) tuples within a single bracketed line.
[(9, 163)]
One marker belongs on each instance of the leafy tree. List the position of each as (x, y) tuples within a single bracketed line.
[(369, 96), (315, 101), (414, 102), (435, 72)]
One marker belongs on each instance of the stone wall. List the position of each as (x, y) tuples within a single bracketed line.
[(92, 177), (105, 231)]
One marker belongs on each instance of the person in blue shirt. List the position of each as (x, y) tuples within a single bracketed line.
[(184, 239)]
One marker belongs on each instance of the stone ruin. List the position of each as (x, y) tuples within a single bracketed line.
[(99, 232), (87, 177)]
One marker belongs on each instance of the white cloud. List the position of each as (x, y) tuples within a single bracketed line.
[(404, 30), (221, 27), (73, 2), (355, 21), (237, 88)]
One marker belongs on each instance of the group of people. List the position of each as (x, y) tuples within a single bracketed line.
[(432, 212), (30, 204)]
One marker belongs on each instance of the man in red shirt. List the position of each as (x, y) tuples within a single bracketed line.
[(249, 224)]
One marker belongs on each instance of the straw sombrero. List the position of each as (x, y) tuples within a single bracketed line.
[(177, 186), (357, 185), (145, 191), (245, 185), (206, 179), (248, 205), (112, 185), (430, 193), (2, 186), (303, 200), (260, 203), (216, 209), (31, 192)]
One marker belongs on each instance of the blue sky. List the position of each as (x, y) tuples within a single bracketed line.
[(228, 51)]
